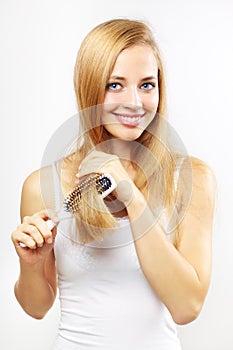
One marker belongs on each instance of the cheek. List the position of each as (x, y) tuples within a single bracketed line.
[(151, 102), (112, 98)]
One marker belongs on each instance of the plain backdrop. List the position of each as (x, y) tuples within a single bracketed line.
[(39, 40)]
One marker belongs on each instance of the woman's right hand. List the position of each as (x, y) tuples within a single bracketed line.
[(36, 235)]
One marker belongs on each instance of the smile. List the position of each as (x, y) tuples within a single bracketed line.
[(128, 120)]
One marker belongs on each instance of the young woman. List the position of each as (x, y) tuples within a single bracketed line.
[(133, 265)]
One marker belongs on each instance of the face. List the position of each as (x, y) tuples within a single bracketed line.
[(132, 94)]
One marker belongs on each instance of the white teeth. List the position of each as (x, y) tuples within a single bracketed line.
[(130, 119)]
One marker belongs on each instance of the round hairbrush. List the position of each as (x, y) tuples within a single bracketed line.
[(104, 184)]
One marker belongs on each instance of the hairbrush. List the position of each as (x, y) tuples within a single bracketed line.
[(104, 184)]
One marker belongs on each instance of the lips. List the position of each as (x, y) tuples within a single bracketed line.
[(128, 120)]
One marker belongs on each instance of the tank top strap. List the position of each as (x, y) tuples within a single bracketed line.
[(172, 218), (179, 163), (56, 186), (47, 187)]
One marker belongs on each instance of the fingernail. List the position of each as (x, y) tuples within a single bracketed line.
[(49, 240)]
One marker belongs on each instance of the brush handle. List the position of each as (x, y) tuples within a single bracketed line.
[(110, 186), (51, 224)]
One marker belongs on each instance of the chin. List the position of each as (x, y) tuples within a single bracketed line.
[(131, 138), (129, 134)]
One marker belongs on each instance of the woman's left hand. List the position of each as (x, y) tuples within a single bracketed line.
[(101, 162)]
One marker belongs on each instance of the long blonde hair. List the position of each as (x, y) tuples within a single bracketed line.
[(95, 61)]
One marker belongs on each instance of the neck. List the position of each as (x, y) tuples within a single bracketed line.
[(121, 148)]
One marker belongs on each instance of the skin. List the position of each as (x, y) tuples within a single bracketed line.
[(132, 93), (179, 274)]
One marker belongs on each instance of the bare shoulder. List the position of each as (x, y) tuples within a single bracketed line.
[(33, 188), (197, 192), (203, 176), (38, 187), (197, 206), (197, 182), (200, 164), (32, 182)]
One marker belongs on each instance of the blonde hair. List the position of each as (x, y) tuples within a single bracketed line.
[(95, 61)]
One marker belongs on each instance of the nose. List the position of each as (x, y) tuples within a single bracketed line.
[(132, 98)]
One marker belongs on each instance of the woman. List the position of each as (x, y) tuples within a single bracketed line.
[(133, 265)]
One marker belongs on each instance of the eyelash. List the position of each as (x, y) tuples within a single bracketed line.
[(110, 86), (149, 83)]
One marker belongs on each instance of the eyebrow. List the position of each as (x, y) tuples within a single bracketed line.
[(116, 77)]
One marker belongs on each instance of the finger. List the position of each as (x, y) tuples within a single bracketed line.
[(32, 239), (95, 161), (41, 227), (21, 239), (35, 234), (77, 178), (29, 234), (44, 214)]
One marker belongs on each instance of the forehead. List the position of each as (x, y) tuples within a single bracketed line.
[(137, 58)]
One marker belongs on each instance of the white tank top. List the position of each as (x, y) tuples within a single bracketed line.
[(106, 301)]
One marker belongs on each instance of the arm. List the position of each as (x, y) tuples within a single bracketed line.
[(35, 289), (179, 275)]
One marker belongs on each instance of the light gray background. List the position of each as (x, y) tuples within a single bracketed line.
[(39, 41)]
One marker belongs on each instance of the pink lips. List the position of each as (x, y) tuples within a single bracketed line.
[(128, 120)]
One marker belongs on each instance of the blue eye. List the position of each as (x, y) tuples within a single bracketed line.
[(147, 86), (113, 86)]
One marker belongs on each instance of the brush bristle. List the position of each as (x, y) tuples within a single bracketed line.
[(104, 184)]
